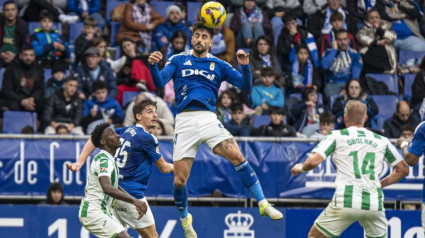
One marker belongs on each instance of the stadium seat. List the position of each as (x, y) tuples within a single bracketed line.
[(47, 74), (115, 26), (387, 105), (14, 121), (35, 24), (193, 11), (391, 80), (128, 97), (1, 77), (332, 100), (110, 5), (405, 55), (74, 31), (408, 82), (258, 121), (160, 7)]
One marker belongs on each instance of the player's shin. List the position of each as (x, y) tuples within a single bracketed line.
[(250, 180), (180, 199)]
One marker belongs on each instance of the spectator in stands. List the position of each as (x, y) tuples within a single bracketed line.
[(293, 36), (337, 23), (54, 195), (407, 131), (320, 23), (264, 55), (353, 91), (358, 9), (56, 82), (404, 15), (13, 33), (100, 109), (49, 45), (101, 45), (341, 64), (249, 23), (310, 7), (64, 108), (162, 34), (158, 130), (224, 103), (90, 31), (183, 10), (62, 130), (239, 124), (23, 83), (224, 44), (36, 6), (401, 117), (177, 44), (327, 123), (276, 127), (303, 73), (138, 23), (376, 38), (134, 74), (85, 9), (266, 95), (164, 114), (307, 112), (93, 69), (418, 92)]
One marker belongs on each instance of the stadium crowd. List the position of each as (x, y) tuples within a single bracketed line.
[(308, 58)]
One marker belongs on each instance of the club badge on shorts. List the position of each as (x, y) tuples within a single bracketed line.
[(212, 66)]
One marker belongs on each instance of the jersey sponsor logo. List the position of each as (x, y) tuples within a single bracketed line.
[(212, 66), (157, 149), (187, 63), (203, 73), (103, 169)]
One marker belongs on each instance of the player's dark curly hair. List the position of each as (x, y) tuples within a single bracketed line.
[(200, 26), (96, 134), (139, 107)]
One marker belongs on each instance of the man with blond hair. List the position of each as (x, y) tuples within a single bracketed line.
[(357, 154)]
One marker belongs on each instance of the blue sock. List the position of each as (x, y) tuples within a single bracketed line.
[(250, 180), (180, 199)]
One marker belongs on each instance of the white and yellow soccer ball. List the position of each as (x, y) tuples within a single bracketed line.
[(212, 14)]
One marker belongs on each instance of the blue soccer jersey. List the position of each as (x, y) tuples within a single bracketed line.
[(138, 151), (417, 147), (197, 80)]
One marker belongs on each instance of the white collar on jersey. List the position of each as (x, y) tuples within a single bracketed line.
[(140, 125)]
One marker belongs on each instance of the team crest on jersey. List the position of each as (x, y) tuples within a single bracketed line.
[(212, 66)]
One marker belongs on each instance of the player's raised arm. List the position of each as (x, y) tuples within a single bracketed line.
[(85, 153), (244, 80), (160, 78)]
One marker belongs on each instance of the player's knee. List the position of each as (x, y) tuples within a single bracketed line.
[(179, 181)]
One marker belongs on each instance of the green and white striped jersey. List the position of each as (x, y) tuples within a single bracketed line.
[(358, 154), (103, 164)]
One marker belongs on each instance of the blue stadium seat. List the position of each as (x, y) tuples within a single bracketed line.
[(391, 80), (332, 100), (298, 96), (115, 26), (128, 97), (47, 74), (14, 121), (408, 82), (110, 5), (193, 11), (405, 55), (74, 31), (160, 7), (387, 105), (258, 121), (35, 24), (1, 77)]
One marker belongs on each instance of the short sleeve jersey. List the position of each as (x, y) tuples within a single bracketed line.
[(139, 149), (358, 154)]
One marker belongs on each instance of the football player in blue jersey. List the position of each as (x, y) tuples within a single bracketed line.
[(197, 77), (139, 149)]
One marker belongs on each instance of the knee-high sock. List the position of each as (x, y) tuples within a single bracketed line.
[(180, 199), (250, 180)]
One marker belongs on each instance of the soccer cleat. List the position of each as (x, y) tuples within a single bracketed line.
[(189, 232), (268, 210)]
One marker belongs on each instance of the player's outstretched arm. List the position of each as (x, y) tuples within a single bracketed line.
[(163, 166), (400, 170), (85, 153), (160, 78), (411, 159), (312, 162), (105, 183), (244, 80)]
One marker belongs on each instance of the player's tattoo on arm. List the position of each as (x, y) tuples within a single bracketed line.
[(227, 144)]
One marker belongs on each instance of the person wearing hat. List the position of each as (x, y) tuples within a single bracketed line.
[(276, 127), (89, 32), (163, 33), (49, 45), (56, 81), (93, 69)]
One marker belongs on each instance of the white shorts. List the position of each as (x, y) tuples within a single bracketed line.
[(195, 127), (334, 220), (98, 222), (127, 214)]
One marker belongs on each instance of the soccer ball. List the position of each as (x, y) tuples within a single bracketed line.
[(212, 14)]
